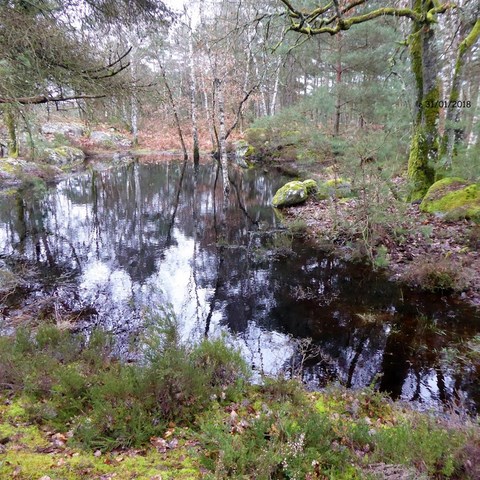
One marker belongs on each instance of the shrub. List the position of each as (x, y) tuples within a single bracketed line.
[(76, 383), (438, 274)]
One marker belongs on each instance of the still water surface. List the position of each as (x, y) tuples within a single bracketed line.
[(111, 244)]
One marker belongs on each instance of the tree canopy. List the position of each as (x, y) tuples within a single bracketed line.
[(56, 51)]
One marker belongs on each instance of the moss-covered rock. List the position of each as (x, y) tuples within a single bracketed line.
[(310, 185), (250, 151), (64, 155), (291, 193), (243, 153), (294, 192), (14, 171), (454, 198), (110, 139), (68, 129), (336, 187)]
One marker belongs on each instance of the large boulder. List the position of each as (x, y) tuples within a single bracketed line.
[(110, 139), (67, 129), (64, 155), (453, 198), (291, 193)]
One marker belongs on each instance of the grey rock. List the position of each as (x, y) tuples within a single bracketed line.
[(64, 155), (68, 129)]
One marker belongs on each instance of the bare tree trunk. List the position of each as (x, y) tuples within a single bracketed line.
[(134, 119), (263, 102), (175, 111), (275, 87), (133, 98), (208, 114), (471, 112), (193, 94), (222, 136), (338, 78)]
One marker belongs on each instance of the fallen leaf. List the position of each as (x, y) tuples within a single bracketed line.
[(159, 443)]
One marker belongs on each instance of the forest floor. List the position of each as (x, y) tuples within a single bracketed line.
[(419, 249), (362, 435)]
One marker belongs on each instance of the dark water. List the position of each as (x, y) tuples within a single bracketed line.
[(109, 245)]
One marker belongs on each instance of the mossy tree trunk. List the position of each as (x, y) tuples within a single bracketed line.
[(12, 143), (424, 144), (334, 18), (453, 135)]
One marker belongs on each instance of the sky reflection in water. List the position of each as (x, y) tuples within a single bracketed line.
[(138, 237)]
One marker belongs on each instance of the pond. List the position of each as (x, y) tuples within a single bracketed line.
[(112, 245)]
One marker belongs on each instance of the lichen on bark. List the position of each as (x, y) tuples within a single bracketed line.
[(12, 143)]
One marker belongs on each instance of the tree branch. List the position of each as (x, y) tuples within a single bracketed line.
[(38, 99), (302, 22), (239, 110)]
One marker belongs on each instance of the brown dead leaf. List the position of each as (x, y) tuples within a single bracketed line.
[(159, 443)]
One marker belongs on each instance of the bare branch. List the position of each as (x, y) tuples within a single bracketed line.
[(311, 24), (38, 99), (239, 110)]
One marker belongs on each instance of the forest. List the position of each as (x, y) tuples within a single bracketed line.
[(239, 239)]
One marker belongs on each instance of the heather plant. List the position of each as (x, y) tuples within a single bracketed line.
[(76, 382)]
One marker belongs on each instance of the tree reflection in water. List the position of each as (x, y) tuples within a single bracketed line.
[(115, 241)]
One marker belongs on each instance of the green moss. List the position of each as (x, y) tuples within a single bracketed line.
[(15, 411), (291, 193), (9, 192), (175, 464), (453, 197), (430, 105), (419, 172), (327, 404), (337, 182), (8, 167), (12, 418), (23, 457), (310, 185), (335, 187), (250, 151), (64, 154), (12, 143)]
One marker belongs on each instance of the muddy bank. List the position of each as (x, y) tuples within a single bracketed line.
[(419, 249)]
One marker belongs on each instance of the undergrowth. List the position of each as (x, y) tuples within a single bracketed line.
[(76, 383), (56, 381)]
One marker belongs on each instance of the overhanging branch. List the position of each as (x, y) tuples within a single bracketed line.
[(39, 99), (313, 23)]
